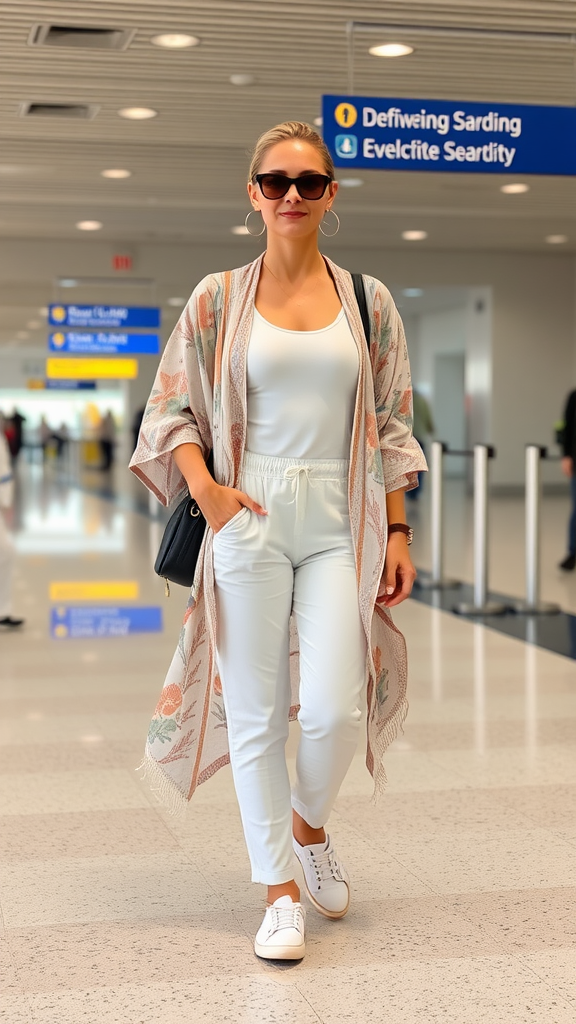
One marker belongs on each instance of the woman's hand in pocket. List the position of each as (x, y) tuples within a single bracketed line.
[(220, 504)]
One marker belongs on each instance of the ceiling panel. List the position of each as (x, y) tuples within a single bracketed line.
[(189, 163)]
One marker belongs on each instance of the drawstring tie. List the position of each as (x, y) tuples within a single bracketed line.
[(296, 474)]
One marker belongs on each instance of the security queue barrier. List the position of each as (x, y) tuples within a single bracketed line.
[(533, 605), (481, 605), (436, 580)]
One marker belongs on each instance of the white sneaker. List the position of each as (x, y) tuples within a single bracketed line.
[(326, 880), (281, 934)]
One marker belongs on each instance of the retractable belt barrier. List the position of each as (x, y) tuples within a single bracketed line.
[(533, 605), (436, 580)]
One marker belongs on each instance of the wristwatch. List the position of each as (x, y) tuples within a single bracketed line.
[(402, 528)]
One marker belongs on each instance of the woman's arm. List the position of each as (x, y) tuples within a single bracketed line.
[(399, 573), (218, 504)]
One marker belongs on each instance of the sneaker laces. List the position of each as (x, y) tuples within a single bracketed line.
[(326, 866), (286, 917)]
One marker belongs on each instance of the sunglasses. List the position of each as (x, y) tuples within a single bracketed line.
[(308, 186)]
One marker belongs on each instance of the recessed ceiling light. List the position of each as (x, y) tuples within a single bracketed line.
[(515, 188), (414, 236), (391, 50), (242, 79), (68, 282), (43, 310), (556, 239), (239, 229), (116, 172), (22, 335), (175, 40), (89, 225), (412, 293), (318, 121), (138, 113), (33, 324), (351, 182), (176, 301)]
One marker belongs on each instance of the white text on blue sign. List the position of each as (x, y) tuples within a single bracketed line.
[(108, 342), (438, 135), (61, 315)]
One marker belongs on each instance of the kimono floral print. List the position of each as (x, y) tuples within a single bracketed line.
[(199, 396)]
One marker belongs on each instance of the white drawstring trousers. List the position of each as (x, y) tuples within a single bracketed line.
[(299, 557), (7, 557)]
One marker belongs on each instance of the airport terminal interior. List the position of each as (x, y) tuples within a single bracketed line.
[(126, 129)]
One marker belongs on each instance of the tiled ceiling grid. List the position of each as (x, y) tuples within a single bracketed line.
[(188, 164)]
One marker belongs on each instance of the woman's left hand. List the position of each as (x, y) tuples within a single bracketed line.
[(399, 573)]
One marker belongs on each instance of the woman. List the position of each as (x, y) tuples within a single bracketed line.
[(269, 368)]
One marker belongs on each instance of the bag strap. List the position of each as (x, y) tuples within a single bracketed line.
[(360, 293)]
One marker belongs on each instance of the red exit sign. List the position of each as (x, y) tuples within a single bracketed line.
[(121, 261)]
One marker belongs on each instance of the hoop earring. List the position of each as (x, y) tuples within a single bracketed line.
[(255, 234), (330, 234)]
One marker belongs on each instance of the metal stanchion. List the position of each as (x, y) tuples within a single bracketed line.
[(533, 605), (436, 579), (481, 604)]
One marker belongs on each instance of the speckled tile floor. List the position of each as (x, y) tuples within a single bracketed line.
[(464, 876)]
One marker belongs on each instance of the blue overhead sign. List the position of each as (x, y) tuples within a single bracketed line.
[(440, 135), (60, 315), (70, 385), (108, 342), (74, 622)]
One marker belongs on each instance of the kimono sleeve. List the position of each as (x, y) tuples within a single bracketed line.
[(402, 456), (179, 408)]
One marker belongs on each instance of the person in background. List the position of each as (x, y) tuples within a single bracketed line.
[(17, 420), (423, 427), (107, 436), (45, 435), (136, 424), (61, 437), (7, 550), (568, 464)]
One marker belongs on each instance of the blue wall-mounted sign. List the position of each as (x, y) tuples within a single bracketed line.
[(73, 622), (70, 385), (107, 342), (60, 315), (440, 135)]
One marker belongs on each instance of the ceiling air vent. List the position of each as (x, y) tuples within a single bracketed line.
[(77, 111), (81, 36)]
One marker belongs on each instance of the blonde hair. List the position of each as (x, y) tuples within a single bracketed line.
[(289, 130)]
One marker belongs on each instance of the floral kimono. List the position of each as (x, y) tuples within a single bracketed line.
[(199, 396)]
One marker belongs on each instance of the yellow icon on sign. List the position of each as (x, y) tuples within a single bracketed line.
[(346, 114), (59, 339), (61, 631), (58, 314)]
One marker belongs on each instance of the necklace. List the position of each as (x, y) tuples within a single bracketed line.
[(280, 285)]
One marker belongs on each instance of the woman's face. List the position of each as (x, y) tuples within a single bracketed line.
[(291, 216)]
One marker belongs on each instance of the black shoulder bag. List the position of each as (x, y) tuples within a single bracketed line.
[(184, 532)]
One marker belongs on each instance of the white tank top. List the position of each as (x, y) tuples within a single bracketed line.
[(301, 390)]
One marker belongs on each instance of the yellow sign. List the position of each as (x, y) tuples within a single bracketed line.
[(91, 369), (34, 384), (95, 590), (346, 114)]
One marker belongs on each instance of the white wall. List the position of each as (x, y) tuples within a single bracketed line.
[(533, 350)]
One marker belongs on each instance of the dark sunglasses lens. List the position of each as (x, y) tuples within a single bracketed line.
[(274, 186), (312, 186)]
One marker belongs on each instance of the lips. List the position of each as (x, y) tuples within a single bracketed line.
[(293, 216)]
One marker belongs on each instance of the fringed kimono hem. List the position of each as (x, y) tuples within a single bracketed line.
[(162, 786), (391, 731)]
